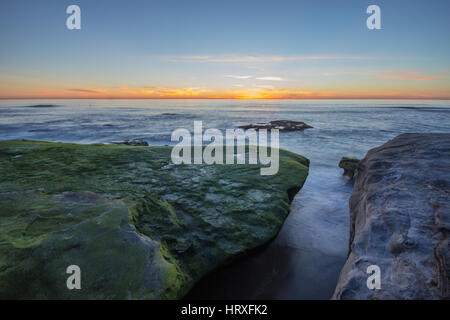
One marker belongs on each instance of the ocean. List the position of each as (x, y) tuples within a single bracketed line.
[(304, 260)]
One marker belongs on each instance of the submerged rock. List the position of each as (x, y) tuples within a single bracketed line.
[(400, 221), (282, 125), (138, 226), (349, 165), (42, 106)]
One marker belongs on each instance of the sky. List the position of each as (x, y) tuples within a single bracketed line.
[(283, 49)]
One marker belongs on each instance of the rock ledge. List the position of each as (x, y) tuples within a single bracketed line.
[(400, 221), (138, 226)]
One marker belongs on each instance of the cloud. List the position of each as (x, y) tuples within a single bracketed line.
[(161, 91), (88, 90), (257, 78), (270, 78), (234, 58), (406, 75), (265, 86), (238, 77)]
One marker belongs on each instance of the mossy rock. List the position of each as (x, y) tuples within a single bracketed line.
[(349, 165), (138, 226)]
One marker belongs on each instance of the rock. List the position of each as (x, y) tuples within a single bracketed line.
[(41, 106), (132, 142), (400, 220), (183, 246), (349, 165), (138, 226), (282, 125)]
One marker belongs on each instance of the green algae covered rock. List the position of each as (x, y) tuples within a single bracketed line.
[(138, 226)]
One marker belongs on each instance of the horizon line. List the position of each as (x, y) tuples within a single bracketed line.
[(220, 98)]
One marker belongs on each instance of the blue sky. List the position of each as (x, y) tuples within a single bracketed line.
[(225, 49)]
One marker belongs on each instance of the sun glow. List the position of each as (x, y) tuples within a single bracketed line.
[(266, 92)]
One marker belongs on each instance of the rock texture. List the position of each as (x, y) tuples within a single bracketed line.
[(282, 125), (400, 220), (138, 226), (349, 165)]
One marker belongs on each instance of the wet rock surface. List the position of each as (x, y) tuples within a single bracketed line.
[(400, 221), (282, 125), (349, 165), (138, 226)]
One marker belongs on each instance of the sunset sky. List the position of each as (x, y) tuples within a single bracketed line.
[(225, 49)]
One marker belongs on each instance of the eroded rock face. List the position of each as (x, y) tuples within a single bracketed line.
[(138, 226), (400, 221)]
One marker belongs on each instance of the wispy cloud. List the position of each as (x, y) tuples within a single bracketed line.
[(265, 86), (270, 78), (267, 78), (238, 77), (234, 58), (161, 91), (88, 90), (406, 75)]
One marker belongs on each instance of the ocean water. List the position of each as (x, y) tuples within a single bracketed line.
[(305, 259)]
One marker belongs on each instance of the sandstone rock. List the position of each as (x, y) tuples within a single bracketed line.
[(282, 125), (138, 226), (400, 220)]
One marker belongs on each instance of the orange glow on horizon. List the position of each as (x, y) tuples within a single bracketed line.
[(161, 92)]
